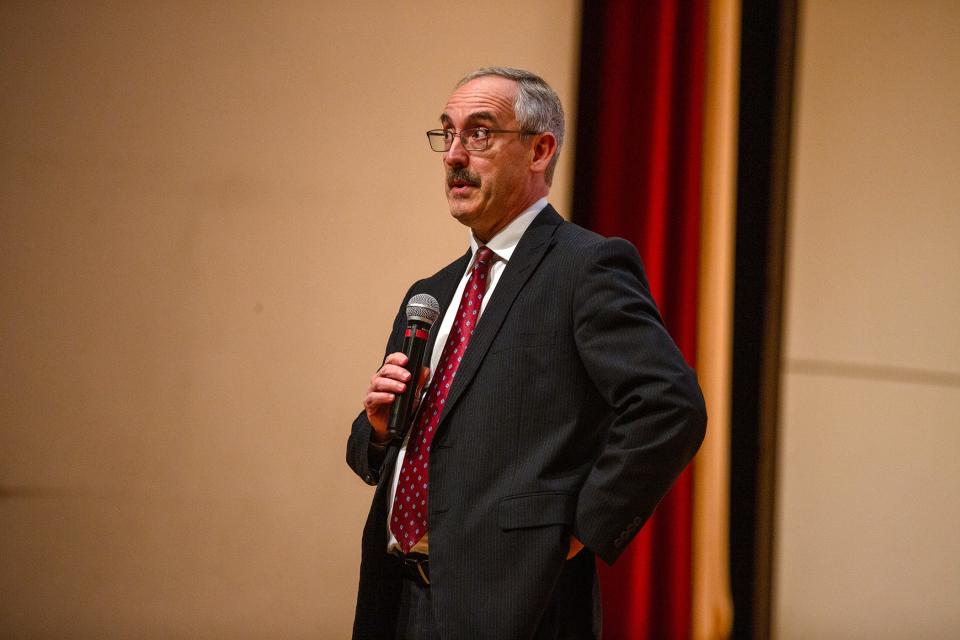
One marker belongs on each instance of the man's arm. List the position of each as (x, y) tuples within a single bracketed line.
[(364, 456), (367, 444), (659, 415)]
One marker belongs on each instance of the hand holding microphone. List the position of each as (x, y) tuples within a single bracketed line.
[(392, 394)]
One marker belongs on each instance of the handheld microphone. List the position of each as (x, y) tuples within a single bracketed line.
[(422, 311)]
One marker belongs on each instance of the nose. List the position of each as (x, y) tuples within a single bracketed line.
[(456, 156)]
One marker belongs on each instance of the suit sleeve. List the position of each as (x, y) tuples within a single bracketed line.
[(367, 460), (658, 415)]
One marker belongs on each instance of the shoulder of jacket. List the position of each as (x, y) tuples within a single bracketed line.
[(573, 237)]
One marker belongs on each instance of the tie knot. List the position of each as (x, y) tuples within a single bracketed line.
[(485, 256)]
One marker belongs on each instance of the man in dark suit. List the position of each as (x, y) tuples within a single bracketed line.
[(558, 410)]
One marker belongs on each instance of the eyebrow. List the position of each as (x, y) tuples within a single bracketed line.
[(473, 117)]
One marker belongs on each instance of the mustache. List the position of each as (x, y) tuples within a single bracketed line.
[(462, 174)]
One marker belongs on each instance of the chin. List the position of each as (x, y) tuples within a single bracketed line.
[(460, 210), (461, 217)]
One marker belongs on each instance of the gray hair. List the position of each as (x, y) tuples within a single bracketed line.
[(537, 105)]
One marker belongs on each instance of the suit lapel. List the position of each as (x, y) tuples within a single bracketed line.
[(528, 254)]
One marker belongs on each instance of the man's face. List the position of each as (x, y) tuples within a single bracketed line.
[(487, 189)]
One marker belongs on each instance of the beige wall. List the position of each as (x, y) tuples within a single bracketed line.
[(210, 212), (867, 542)]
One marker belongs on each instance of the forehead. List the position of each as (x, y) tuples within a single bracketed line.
[(488, 97)]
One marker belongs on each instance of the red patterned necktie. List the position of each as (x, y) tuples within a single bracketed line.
[(408, 521)]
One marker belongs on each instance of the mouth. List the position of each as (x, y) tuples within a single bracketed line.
[(459, 188), (460, 181)]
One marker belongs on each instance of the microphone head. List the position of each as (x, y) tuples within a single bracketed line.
[(423, 308)]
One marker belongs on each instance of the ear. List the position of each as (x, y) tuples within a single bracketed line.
[(542, 152)]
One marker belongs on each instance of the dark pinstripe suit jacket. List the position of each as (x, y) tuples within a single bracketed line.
[(571, 413)]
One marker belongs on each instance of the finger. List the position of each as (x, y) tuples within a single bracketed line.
[(397, 358), (387, 385), (393, 372), (377, 400), (424, 376)]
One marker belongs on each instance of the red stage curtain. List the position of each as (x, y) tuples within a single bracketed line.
[(638, 176)]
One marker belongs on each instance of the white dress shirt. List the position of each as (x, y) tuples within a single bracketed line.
[(503, 245)]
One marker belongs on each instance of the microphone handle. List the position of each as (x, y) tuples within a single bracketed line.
[(414, 346)]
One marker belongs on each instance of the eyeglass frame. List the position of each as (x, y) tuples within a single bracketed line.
[(437, 133)]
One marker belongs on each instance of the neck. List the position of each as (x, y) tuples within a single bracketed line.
[(484, 235)]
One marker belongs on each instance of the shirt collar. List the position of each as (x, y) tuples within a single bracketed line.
[(505, 242)]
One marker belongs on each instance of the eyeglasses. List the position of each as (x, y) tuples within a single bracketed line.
[(472, 139)]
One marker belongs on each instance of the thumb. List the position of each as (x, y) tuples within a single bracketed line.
[(422, 379)]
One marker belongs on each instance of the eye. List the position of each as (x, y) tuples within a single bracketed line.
[(478, 133)]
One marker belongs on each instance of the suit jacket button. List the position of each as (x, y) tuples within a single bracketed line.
[(637, 521)]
